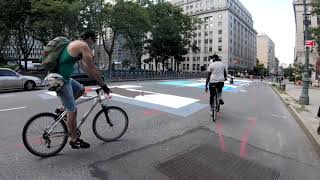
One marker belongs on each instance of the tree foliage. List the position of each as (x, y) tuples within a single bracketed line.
[(170, 33), (56, 18)]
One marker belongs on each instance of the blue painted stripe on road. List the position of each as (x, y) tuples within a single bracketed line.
[(194, 84), (176, 83)]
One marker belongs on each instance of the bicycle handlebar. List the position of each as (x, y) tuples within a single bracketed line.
[(98, 90)]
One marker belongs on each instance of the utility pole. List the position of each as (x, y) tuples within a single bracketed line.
[(304, 98)]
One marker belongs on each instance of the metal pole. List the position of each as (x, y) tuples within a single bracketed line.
[(304, 98)]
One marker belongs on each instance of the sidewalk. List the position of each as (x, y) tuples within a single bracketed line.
[(306, 115)]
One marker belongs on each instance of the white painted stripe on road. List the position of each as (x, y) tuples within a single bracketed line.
[(126, 86), (1, 110), (52, 93), (6, 96), (279, 116), (167, 100)]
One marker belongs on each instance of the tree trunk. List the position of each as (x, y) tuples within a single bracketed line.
[(25, 63), (156, 64), (178, 64)]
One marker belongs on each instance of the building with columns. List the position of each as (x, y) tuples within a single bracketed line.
[(227, 30)]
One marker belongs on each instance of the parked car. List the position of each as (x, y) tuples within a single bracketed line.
[(10, 79), (82, 78)]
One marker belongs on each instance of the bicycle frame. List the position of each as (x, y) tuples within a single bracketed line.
[(97, 99)]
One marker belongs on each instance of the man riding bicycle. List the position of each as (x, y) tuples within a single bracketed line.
[(78, 50), (217, 74)]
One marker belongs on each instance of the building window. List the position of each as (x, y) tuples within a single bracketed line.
[(184, 66), (220, 16), (210, 33), (187, 66), (210, 49), (219, 48), (187, 8), (199, 41), (220, 39), (188, 58), (206, 41), (220, 31), (198, 58), (206, 33), (194, 58), (205, 49), (210, 41), (199, 34), (193, 67), (206, 26), (198, 66), (205, 58), (219, 24)]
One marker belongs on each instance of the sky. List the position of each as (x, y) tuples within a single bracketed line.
[(276, 19)]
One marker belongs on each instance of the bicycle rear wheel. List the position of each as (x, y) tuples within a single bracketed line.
[(38, 141), (111, 125), (214, 109)]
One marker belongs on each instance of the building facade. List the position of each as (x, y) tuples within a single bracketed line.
[(14, 54), (299, 50), (227, 30), (266, 52)]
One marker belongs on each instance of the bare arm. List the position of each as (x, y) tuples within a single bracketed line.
[(88, 66), (208, 79)]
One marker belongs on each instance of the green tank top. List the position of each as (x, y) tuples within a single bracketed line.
[(66, 64)]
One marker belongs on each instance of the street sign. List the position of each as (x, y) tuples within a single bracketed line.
[(310, 43)]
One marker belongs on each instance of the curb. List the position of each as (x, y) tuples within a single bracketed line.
[(299, 119)]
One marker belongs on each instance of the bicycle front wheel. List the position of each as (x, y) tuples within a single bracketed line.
[(38, 141), (110, 124)]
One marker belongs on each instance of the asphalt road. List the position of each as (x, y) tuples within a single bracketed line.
[(167, 118)]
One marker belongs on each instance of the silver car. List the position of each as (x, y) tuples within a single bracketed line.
[(10, 79)]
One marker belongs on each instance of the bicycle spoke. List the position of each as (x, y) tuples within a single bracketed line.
[(38, 141), (104, 131)]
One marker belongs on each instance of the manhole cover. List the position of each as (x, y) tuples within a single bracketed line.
[(206, 162)]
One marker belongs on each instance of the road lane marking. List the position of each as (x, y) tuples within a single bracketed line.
[(245, 138), (6, 96), (284, 117), (219, 129), (10, 109)]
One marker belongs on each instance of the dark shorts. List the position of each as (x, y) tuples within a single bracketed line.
[(218, 86)]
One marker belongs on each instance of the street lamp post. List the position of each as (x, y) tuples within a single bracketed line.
[(304, 98)]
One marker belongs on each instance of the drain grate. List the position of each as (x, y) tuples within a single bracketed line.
[(208, 163)]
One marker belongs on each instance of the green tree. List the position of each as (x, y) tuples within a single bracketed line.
[(170, 33), (136, 24), (57, 18), (19, 19), (287, 72)]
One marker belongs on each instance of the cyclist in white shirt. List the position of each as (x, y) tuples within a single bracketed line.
[(217, 74)]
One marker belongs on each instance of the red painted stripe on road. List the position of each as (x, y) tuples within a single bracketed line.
[(219, 129), (86, 89), (151, 112), (244, 140)]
